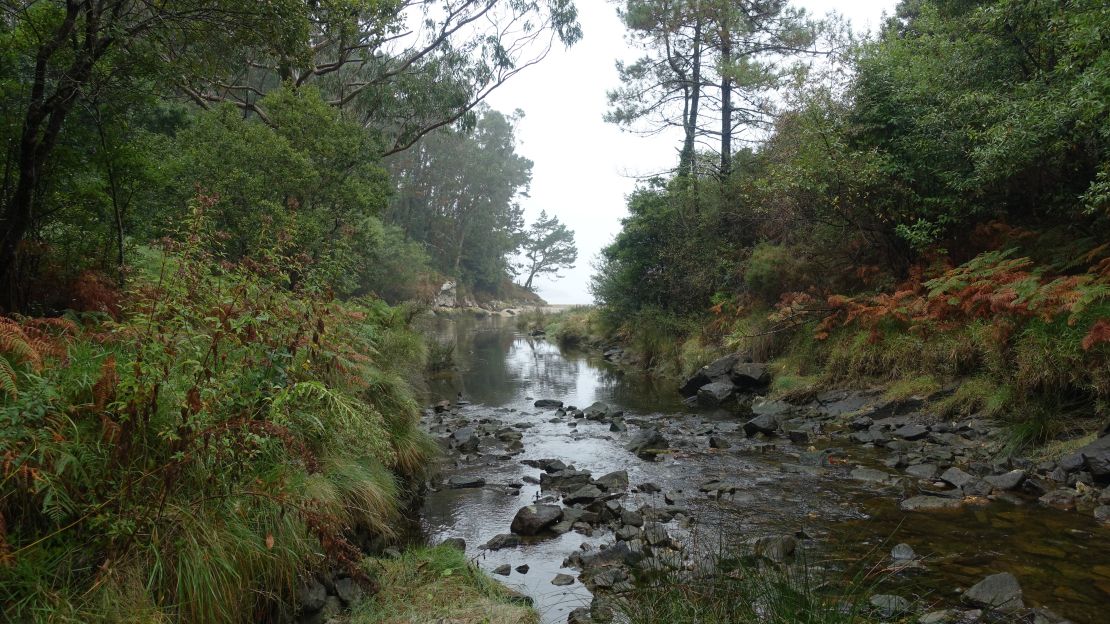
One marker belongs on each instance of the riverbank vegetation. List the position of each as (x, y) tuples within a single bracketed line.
[(206, 403), (930, 206), (440, 584)]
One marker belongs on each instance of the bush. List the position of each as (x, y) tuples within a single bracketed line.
[(191, 460)]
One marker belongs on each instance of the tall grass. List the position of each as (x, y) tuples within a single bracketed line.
[(192, 459), (744, 590)]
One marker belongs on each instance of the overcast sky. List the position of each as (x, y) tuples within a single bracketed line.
[(585, 167)]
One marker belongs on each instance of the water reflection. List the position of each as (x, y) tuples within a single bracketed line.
[(1060, 557)]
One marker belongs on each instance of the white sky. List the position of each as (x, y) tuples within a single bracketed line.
[(585, 167)]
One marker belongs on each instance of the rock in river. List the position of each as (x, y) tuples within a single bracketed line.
[(584, 494), (533, 519), (459, 482), (998, 591), (716, 393), (549, 403), (614, 481), (764, 423), (597, 411), (889, 606), (930, 503), (1006, 481), (562, 580), (647, 439), (503, 540), (504, 569)]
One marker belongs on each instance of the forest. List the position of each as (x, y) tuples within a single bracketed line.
[(207, 208), (226, 225), (924, 205)]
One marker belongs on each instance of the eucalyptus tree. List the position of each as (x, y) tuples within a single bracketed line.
[(403, 68)]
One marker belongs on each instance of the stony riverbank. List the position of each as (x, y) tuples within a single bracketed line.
[(892, 446)]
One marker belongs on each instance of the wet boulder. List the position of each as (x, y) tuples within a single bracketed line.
[(533, 519), (1095, 457), (502, 540), (459, 482), (718, 442), (716, 393), (714, 371), (1000, 592), (747, 376), (766, 424), (548, 403), (889, 605), (565, 479), (457, 543), (465, 440), (646, 441), (614, 481), (911, 432), (1006, 481), (777, 548), (584, 494), (956, 477), (597, 411)]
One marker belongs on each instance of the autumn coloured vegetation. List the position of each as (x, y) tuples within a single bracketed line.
[(926, 210)]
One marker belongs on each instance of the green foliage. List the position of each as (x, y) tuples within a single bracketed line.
[(193, 458), (748, 591), (431, 584), (458, 192), (549, 247)]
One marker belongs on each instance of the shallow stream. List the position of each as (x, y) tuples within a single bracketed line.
[(1062, 559)]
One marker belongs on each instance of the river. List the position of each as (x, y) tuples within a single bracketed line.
[(1062, 559)]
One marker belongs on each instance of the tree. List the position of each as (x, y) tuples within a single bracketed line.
[(548, 246), (458, 191), (403, 68), (74, 48), (709, 68)]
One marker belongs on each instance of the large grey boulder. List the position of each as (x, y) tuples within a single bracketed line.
[(714, 371), (1095, 457), (548, 403), (312, 596), (465, 440), (766, 424), (1000, 592), (647, 439), (597, 411), (749, 376), (614, 481), (715, 393), (956, 477), (1006, 481), (459, 482), (533, 519)]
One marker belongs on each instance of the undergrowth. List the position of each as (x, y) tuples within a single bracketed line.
[(438, 584), (193, 457), (745, 591)]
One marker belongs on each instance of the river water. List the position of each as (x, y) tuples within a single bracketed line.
[(1062, 559)]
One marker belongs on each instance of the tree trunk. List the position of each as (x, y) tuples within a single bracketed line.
[(686, 163), (726, 102)]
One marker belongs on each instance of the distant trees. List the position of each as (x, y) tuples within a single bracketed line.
[(549, 247), (708, 68), (458, 191)]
